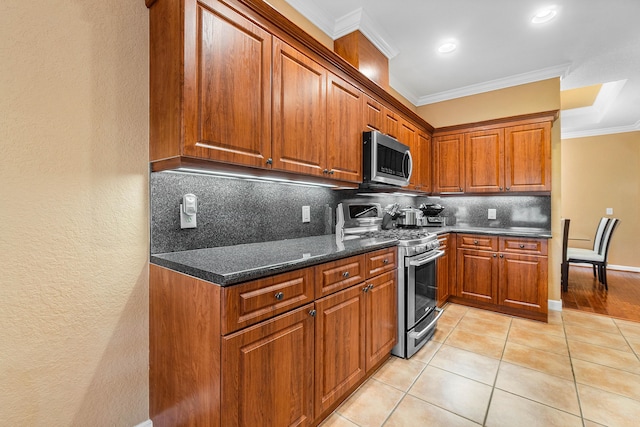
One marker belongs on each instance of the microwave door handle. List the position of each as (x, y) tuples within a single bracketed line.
[(425, 260), (418, 335), (408, 153)]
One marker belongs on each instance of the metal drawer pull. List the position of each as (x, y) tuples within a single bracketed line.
[(370, 286), (475, 242), (312, 313), (494, 255), (345, 274), (365, 289), (521, 246), (418, 335), (385, 261), (501, 256), (279, 296)]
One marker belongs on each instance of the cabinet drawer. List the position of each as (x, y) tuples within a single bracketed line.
[(475, 241), (444, 241), (251, 302), (380, 261), (340, 274), (523, 245)]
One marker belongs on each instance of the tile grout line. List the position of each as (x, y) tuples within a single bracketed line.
[(495, 379), (573, 373)]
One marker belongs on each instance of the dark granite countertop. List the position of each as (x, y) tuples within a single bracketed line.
[(229, 265), (540, 233)]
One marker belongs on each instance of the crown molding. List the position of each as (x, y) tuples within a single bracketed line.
[(601, 131), (360, 20), (497, 84), (318, 16), (399, 87)]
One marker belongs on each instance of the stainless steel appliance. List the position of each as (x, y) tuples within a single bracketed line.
[(417, 279), (386, 161), (431, 215)]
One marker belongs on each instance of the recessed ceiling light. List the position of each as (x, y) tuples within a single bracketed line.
[(544, 15), (447, 47)]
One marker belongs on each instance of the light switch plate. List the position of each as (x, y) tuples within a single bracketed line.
[(609, 211), (491, 214), (306, 214)]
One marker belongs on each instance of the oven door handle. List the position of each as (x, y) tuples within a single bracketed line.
[(418, 335), (425, 260)]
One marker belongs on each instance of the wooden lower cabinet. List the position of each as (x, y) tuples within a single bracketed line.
[(267, 379), (216, 368), (340, 329), (511, 280), (446, 269)]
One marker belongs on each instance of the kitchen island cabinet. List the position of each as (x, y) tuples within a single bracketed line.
[(268, 352), (506, 274)]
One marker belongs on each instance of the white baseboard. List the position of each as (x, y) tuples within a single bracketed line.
[(611, 267), (555, 305), (147, 423)]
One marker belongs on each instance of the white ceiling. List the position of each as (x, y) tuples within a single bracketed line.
[(589, 42)]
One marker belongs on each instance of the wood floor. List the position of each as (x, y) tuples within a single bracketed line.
[(587, 294)]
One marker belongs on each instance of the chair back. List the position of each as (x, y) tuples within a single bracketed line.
[(597, 241), (565, 237), (606, 240)]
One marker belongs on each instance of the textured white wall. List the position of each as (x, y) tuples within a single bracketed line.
[(73, 212)]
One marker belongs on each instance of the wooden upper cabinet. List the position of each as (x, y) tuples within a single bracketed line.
[(223, 89), (391, 124), (528, 157), (344, 130), (448, 161), (299, 111), (484, 161), (424, 145), (374, 115)]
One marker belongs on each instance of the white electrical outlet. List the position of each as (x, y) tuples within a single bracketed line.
[(609, 211), (491, 214), (306, 214)]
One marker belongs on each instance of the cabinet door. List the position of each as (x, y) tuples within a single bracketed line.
[(443, 270), (340, 358), (408, 135), (484, 161), (299, 111), (374, 116), (448, 164), (523, 282), (267, 378), (477, 275), (424, 145), (381, 317), (528, 157), (391, 124), (228, 117), (344, 131)]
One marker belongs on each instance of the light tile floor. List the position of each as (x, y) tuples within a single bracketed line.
[(484, 368)]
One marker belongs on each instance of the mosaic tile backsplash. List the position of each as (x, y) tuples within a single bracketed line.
[(233, 211)]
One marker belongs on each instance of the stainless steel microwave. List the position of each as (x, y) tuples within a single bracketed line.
[(386, 160)]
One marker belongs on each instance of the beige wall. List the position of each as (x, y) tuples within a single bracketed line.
[(296, 17), (524, 99), (74, 213), (517, 100), (603, 172)]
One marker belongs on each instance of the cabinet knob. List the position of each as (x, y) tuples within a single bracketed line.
[(331, 172), (521, 245), (325, 171), (345, 274), (269, 161), (500, 188), (508, 188), (312, 313), (475, 242), (385, 261), (495, 255), (365, 289), (501, 256), (279, 296), (461, 189), (371, 286)]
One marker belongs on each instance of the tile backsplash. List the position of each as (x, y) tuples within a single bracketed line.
[(235, 211)]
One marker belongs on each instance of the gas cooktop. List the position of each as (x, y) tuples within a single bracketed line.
[(405, 236)]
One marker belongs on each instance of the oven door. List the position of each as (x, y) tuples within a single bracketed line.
[(422, 287)]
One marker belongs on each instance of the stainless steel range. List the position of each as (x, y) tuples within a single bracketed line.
[(417, 279)]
